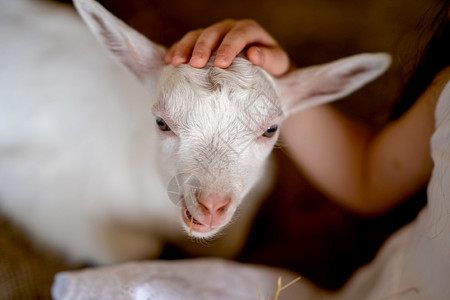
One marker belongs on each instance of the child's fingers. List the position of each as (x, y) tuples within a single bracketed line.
[(241, 35), (230, 37), (208, 41), (181, 51)]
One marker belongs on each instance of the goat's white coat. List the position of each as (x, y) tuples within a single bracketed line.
[(81, 166)]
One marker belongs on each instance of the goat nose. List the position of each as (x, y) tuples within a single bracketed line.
[(214, 204)]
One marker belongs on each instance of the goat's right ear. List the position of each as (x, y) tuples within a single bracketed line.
[(142, 57)]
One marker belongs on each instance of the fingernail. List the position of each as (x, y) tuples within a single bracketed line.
[(258, 59), (197, 60), (178, 60), (221, 61)]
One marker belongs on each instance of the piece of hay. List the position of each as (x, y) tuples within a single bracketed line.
[(280, 287), (260, 297), (278, 291), (190, 226)]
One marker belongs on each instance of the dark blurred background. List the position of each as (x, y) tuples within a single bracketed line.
[(298, 227)]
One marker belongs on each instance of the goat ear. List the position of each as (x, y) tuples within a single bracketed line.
[(320, 84), (142, 57)]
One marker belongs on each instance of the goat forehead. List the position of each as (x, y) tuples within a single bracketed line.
[(214, 98)]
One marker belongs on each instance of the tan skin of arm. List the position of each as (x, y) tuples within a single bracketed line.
[(361, 171), (364, 172)]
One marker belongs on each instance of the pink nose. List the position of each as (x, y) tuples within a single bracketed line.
[(214, 204)]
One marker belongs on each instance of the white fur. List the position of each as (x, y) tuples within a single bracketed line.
[(84, 168)]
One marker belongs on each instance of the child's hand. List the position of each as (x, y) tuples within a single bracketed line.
[(230, 37)]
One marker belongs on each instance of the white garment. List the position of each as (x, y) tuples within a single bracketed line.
[(413, 264), (194, 279)]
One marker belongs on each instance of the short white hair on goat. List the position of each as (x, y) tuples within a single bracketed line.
[(216, 134), (128, 160)]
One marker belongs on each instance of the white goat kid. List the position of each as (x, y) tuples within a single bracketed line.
[(93, 169)]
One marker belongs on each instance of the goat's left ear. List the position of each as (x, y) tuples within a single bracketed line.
[(142, 57), (315, 85)]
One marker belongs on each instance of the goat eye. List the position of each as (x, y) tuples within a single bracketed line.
[(162, 125), (270, 132)]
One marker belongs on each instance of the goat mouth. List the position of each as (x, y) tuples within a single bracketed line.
[(196, 225), (189, 216)]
